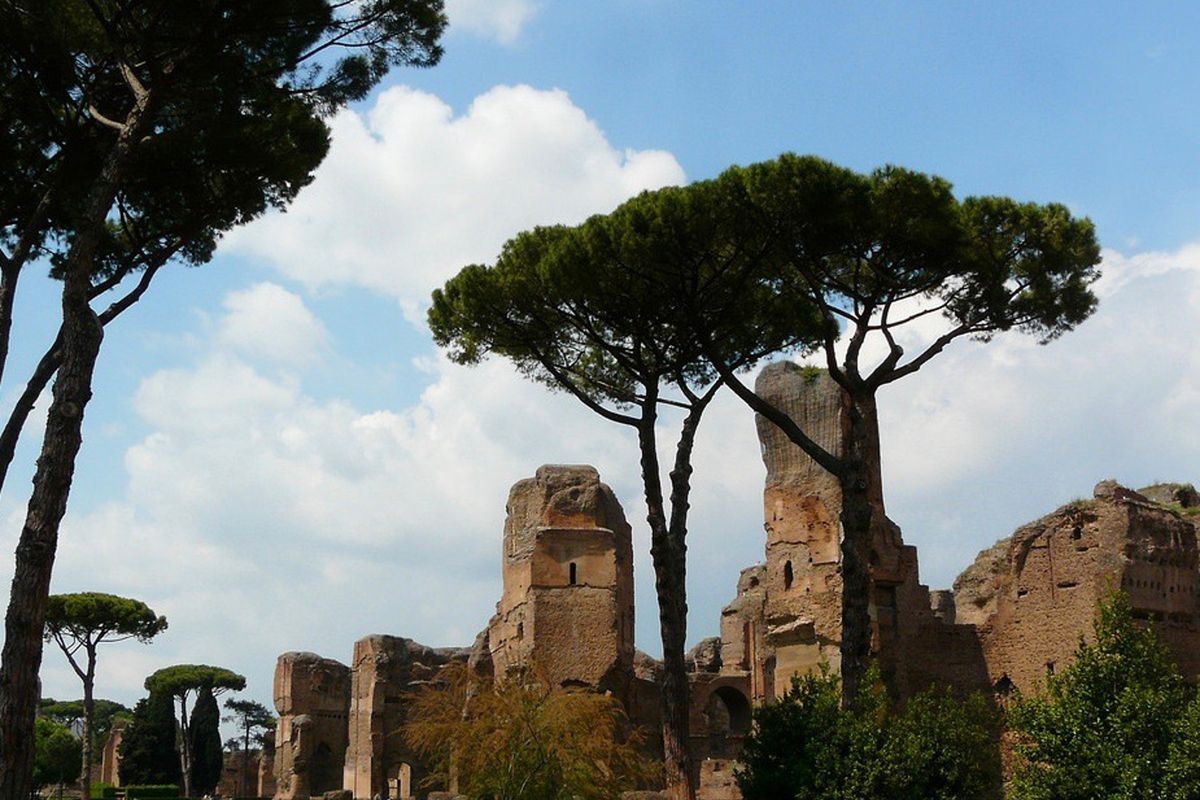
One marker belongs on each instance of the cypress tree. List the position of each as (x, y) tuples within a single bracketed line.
[(148, 753), (207, 756)]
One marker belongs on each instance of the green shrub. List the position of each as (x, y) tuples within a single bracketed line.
[(101, 790), (1119, 722), (807, 747), (152, 791), (58, 755)]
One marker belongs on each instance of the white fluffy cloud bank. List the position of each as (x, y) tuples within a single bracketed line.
[(411, 193), (501, 20)]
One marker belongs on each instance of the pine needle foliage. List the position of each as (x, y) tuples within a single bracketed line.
[(525, 741)]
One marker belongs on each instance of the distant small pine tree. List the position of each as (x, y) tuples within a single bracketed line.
[(207, 751), (148, 754)]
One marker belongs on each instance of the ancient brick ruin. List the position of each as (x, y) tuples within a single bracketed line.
[(566, 611)]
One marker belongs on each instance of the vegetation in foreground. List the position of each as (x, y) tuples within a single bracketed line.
[(809, 747), (1119, 722), (524, 741)]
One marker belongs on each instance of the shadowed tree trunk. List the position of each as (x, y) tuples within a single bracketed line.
[(89, 714), (82, 334)]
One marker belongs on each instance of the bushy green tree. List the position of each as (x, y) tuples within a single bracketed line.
[(524, 741), (148, 752), (807, 746), (1119, 722), (57, 754), (205, 736), (70, 713)]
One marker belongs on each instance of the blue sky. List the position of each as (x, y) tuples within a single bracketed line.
[(278, 459)]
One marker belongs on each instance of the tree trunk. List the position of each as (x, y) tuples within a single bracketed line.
[(862, 510), (89, 712), (670, 565), (8, 292), (183, 744), (82, 334), (46, 368)]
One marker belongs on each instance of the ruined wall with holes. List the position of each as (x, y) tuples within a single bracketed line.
[(312, 697), (1033, 595), (385, 671), (566, 612), (788, 614), (1014, 614)]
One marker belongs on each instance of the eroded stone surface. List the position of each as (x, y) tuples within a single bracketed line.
[(384, 672), (566, 612), (312, 697), (1045, 581), (110, 755)]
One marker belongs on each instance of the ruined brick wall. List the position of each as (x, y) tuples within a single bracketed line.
[(1034, 594), (385, 671), (239, 774), (312, 697), (743, 646), (801, 625), (566, 612), (110, 756), (265, 778)]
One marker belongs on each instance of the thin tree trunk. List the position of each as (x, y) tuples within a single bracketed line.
[(45, 369), (22, 654), (8, 293), (89, 713), (184, 745), (82, 334), (669, 581)]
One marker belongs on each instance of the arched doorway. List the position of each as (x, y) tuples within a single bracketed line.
[(729, 717), (400, 781)]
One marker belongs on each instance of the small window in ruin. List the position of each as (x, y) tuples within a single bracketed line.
[(1077, 532), (787, 575), (520, 630), (1049, 667), (574, 573)]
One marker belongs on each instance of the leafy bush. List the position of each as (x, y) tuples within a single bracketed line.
[(522, 741), (1119, 722), (806, 746), (57, 755), (152, 791), (101, 790)]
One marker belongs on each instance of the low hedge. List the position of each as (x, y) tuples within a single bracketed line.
[(152, 791)]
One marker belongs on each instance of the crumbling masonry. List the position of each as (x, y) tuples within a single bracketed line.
[(566, 611)]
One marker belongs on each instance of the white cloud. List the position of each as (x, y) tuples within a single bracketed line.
[(411, 193), (268, 321), (502, 20)]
